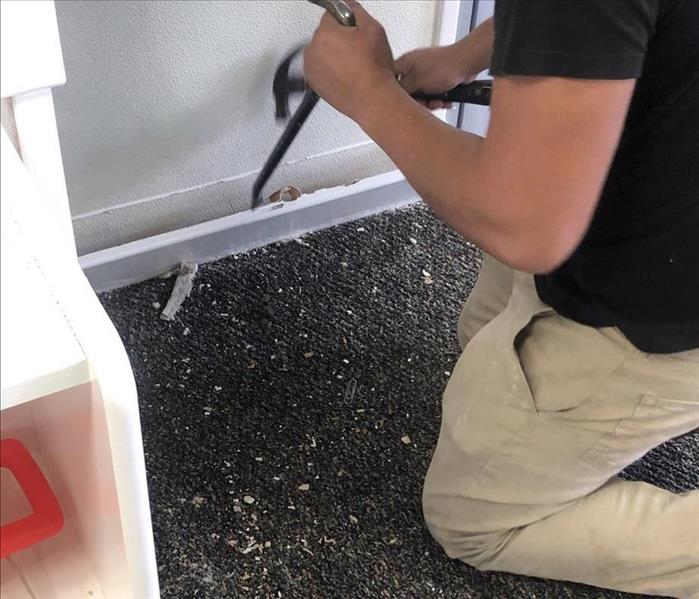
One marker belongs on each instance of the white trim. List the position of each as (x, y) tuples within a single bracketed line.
[(447, 22), (446, 26), (145, 258)]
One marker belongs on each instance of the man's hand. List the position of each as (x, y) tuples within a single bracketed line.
[(347, 65), (433, 70), (437, 70)]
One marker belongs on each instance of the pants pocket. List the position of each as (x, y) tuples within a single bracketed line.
[(564, 362)]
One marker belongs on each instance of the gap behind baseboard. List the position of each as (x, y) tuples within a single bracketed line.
[(146, 258)]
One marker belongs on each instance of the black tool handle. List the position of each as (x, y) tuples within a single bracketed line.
[(476, 92)]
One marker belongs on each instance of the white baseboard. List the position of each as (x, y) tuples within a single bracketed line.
[(146, 258), (115, 225)]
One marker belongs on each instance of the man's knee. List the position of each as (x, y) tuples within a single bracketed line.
[(465, 535)]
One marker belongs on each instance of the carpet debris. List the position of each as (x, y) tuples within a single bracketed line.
[(350, 389)]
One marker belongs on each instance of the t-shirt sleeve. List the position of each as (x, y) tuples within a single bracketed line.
[(586, 39)]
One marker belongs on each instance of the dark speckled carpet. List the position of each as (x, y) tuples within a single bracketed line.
[(290, 411)]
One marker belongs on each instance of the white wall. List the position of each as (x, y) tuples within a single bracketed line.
[(167, 112)]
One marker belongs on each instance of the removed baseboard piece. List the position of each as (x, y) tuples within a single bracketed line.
[(181, 290), (146, 258)]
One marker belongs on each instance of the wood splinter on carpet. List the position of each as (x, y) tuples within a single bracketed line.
[(181, 290)]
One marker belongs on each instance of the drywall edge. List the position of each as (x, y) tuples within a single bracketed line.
[(146, 258)]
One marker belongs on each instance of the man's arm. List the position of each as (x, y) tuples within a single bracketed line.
[(525, 193)]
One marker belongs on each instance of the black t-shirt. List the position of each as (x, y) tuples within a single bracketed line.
[(637, 267)]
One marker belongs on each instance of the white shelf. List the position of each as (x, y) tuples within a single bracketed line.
[(40, 353), (67, 390)]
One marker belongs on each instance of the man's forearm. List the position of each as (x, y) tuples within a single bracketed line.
[(437, 159), (526, 193), (477, 48)]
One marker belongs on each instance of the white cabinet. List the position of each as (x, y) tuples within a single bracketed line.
[(68, 393)]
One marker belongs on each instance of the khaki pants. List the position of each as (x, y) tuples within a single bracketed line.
[(539, 416)]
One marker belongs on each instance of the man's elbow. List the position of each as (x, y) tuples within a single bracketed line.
[(538, 252), (540, 264)]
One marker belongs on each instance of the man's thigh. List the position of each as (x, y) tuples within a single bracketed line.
[(488, 298)]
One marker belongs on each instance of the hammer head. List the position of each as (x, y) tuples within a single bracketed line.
[(285, 84)]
